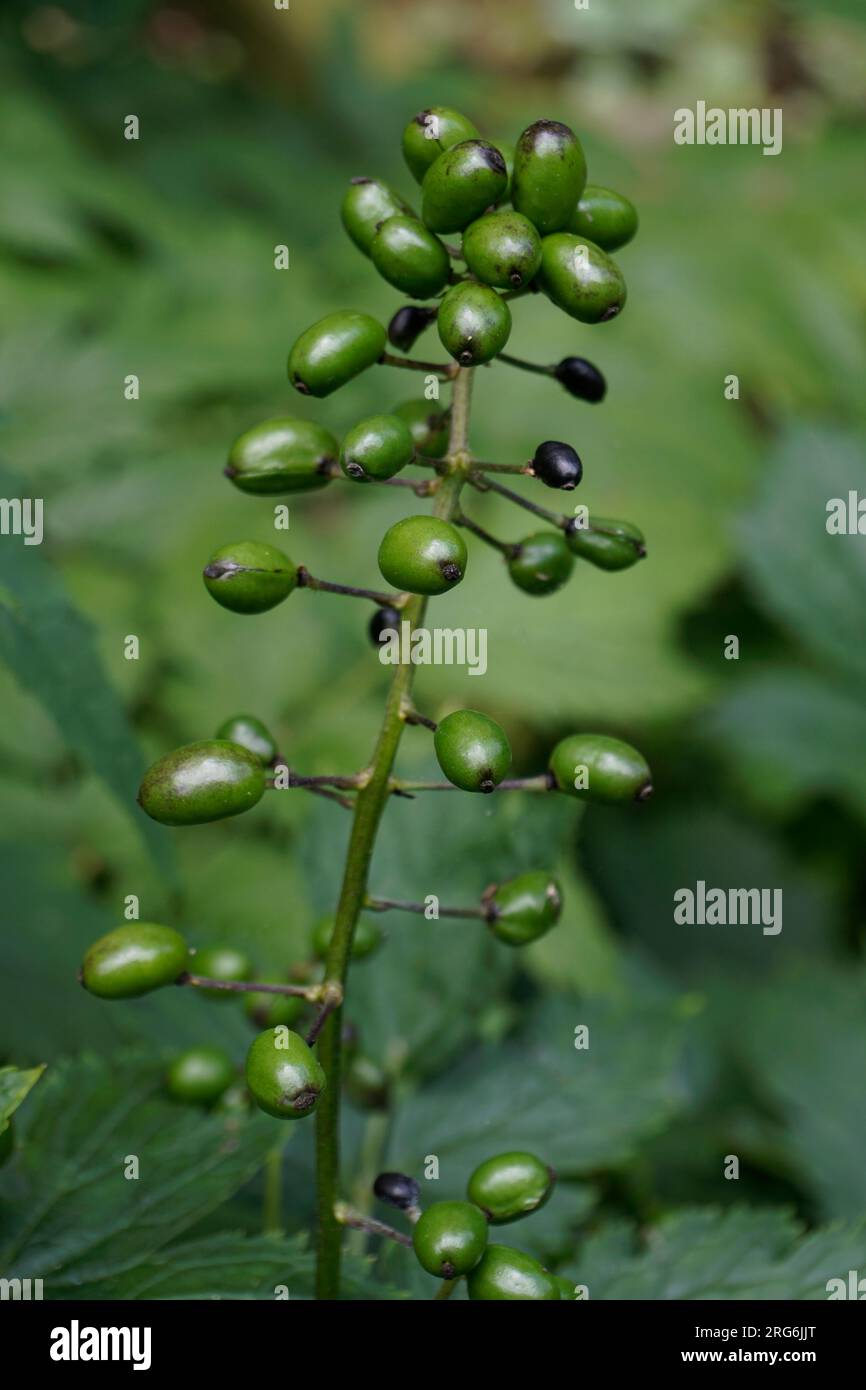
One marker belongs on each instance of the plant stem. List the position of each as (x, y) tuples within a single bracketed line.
[(524, 365), (447, 1288), (310, 992), (345, 1216), (505, 547), (307, 581), (441, 369), (387, 904), (484, 484), (540, 783), (369, 805)]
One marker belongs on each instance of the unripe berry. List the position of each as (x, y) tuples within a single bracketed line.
[(430, 133), (510, 1186), (250, 733), (594, 767), (449, 1238), (221, 963), (423, 554), (368, 202), (333, 350), (474, 323), (524, 908), (283, 455), (461, 185), (377, 447), (284, 1074), (510, 1275), (200, 1075), (202, 782), (607, 218), (541, 563), (608, 544), (580, 278), (502, 249), (472, 750), (428, 426), (270, 1010), (249, 576), (557, 465), (133, 960), (410, 257), (549, 175)]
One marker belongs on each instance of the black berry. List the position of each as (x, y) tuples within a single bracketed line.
[(557, 465), (383, 620), (408, 324), (398, 1190), (580, 378)]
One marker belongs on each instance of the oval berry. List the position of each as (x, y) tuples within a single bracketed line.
[(540, 564), (397, 1190), (607, 218), (200, 1075), (580, 278), (384, 622), (474, 323), (510, 1186), (249, 576), (221, 963), (472, 750), (427, 425), (449, 1238), (333, 350), (408, 324), (557, 465), (423, 554), (410, 257), (595, 767), (430, 133), (249, 733), (549, 175), (369, 202), (581, 379), (377, 447), (133, 960), (267, 1010), (524, 908), (284, 455), (502, 249), (608, 544), (283, 1074), (509, 1275), (202, 782), (462, 183)]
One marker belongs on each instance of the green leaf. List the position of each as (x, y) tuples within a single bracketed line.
[(811, 582), (704, 1253), (579, 1110), (52, 650), (791, 735), (70, 1215), (15, 1085)]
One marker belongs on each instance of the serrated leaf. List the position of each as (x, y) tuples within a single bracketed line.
[(579, 1110), (15, 1086), (69, 1214), (705, 1253)]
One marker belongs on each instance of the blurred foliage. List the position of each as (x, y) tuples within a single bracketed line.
[(155, 257)]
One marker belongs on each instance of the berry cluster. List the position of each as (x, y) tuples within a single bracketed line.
[(528, 222)]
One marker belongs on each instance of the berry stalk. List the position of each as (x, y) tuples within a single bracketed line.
[(369, 805)]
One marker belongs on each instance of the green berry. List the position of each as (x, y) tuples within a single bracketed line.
[(249, 576), (549, 175), (367, 938), (333, 350), (524, 908), (506, 149), (461, 185), (502, 249), (200, 1075), (367, 203), (202, 782), (566, 1286), (608, 544), (7, 1143), (541, 563), (449, 1238), (580, 278), (594, 767), (423, 555), (430, 133), (607, 218), (221, 963), (508, 1274), (367, 1084), (474, 323), (133, 960), (284, 1074), (270, 1010), (510, 1186), (377, 447), (285, 455), (472, 750), (250, 733), (427, 426), (410, 257)]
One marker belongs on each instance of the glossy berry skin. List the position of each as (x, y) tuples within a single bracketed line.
[(270, 1010), (549, 175), (367, 938), (249, 576), (333, 350), (200, 1075), (283, 1074), (284, 455), (615, 772), (377, 447), (541, 563), (251, 734), (502, 249), (423, 555), (608, 544), (566, 1286), (581, 379), (430, 133), (408, 324), (524, 908), (367, 203), (221, 963), (580, 278), (202, 782), (462, 184), (504, 1274), (427, 425), (383, 621), (133, 960), (397, 1190), (506, 149), (7, 1143), (510, 1186), (410, 257), (474, 323), (607, 218), (557, 465), (472, 750), (449, 1238)]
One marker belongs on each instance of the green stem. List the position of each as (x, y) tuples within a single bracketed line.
[(369, 805)]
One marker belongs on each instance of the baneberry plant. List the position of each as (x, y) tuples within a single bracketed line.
[(526, 224)]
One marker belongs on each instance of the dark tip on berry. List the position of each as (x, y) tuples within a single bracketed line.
[(303, 1101), (300, 386), (465, 359), (551, 781), (516, 278), (421, 118), (355, 470), (448, 1270), (487, 784), (450, 571), (361, 178), (229, 471), (220, 569), (610, 313), (645, 792), (493, 158)]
